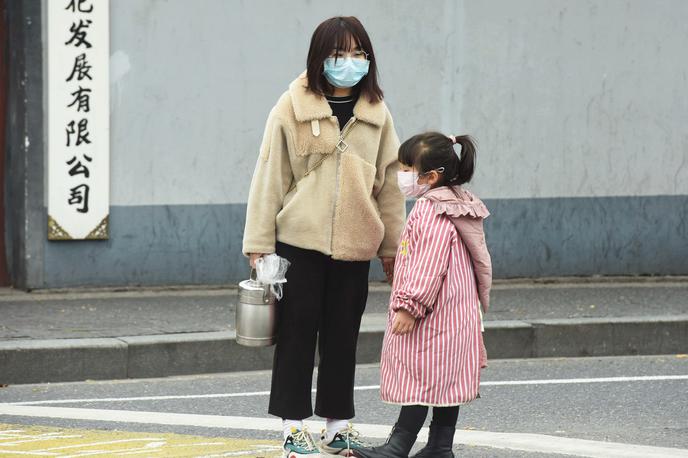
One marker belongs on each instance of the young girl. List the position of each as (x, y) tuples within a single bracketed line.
[(432, 351)]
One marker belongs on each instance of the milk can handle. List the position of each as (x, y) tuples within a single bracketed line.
[(253, 275)]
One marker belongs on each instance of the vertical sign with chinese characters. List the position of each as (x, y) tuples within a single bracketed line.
[(78, 119)]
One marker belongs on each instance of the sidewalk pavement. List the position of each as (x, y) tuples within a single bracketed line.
[(51, 336)]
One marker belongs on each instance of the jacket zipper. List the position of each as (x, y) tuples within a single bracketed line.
[(342, 133)]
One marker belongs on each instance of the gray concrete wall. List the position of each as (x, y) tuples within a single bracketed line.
[(576, 99), (577, 107)]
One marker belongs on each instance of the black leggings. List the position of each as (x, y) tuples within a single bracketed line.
[(411, 418)]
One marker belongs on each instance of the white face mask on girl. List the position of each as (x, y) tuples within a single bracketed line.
[(408, 184)]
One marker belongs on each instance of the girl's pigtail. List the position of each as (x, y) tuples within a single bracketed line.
[(464, 171)]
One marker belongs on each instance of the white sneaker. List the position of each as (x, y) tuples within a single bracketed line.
[(342, 444), (300, 443)]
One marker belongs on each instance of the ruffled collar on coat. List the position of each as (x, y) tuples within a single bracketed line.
[(455, 201), (309, 106)]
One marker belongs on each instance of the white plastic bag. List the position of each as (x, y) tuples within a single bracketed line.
[(272, 270)]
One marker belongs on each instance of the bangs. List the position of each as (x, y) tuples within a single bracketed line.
[(409, 152), (344, 38)]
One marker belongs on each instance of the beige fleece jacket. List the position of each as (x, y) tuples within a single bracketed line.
[(348, 207)]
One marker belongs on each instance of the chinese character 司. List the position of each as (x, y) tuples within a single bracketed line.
[(82, 135), (81, 69), (82, 97), (78, 195), (79, 168), (79, 35), (78, 5)]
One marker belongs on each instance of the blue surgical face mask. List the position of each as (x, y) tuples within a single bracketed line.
[(346, 72)]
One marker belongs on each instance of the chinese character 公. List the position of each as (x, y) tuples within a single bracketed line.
[(79, 168)]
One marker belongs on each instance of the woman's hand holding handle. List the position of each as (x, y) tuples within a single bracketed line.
[(253, 257)]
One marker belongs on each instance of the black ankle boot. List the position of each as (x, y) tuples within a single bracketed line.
[(398, 445), (440, 442)]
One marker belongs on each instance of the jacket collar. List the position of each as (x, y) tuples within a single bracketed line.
[(309, 106)]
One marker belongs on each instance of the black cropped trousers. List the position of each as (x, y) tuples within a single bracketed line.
[(323, 303)]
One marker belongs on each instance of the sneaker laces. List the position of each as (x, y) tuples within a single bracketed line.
[(350, 435), (303, 439)]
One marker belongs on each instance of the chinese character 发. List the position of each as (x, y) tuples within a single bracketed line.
[(79, 168), (79, 35), (82, 135), (83, 98), (81, 69), (78, 195), (78, 5)]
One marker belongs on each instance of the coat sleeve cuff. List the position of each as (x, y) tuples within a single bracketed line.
[(411, 306), (264, 249)]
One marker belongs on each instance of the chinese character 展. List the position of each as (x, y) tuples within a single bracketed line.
[(81, 69)]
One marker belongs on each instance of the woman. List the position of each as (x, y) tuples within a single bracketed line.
[(324, 196)]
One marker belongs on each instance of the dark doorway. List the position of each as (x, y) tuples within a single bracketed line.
[(4, 274)]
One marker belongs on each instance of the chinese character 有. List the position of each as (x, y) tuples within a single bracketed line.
[(83, 98)]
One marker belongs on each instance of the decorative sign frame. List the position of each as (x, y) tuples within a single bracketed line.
[(78, 119)]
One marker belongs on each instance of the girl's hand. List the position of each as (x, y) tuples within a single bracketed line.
[(403, 323), (388, 267), (253, 257)]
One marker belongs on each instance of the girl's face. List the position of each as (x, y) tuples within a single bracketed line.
[(432, 177)]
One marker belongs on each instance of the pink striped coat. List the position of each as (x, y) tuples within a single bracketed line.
[(438, 362)]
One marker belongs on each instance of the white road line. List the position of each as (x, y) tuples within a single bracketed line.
[(37, 438), (645, 378), (94, 444), (18, 452), (514, 441)]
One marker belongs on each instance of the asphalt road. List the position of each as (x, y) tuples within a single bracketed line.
[(622, 406)]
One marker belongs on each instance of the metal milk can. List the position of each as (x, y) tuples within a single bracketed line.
[(256, 314)]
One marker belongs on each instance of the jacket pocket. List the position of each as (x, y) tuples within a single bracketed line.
[(358, 229)]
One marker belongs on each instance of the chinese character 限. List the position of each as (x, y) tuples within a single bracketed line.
[(78, 195), (78, 5), (83, 98), (82, 134), (79, 35), (79, 168), (81, 68)]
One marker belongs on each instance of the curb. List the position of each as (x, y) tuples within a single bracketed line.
[(64, 360)]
